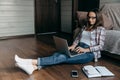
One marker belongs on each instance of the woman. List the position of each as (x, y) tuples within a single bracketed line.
[(89, 41)]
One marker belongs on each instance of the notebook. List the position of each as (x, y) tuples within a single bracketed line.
[(62, 46), (97, 71)]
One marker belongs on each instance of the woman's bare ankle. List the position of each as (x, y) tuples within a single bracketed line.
[(35, 67), (34, 61)]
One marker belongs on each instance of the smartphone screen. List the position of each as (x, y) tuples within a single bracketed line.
[(74, 73)]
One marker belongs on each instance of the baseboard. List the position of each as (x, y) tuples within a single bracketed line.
[(115, 56), (17, 36)]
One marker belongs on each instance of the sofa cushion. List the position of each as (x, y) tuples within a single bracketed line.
[(81, 15), (107, 23)]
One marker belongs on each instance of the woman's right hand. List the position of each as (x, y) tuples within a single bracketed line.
[(71, 47)]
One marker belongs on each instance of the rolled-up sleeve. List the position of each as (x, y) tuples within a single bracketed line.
[(101, 38)]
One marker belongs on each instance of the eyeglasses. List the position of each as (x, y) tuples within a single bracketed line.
[(91, 17)]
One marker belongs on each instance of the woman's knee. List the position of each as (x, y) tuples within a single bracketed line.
[(61, 57)]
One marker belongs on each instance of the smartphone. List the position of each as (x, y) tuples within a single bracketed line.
[(74, 73)]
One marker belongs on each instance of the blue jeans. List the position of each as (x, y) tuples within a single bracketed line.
[(58, 58)]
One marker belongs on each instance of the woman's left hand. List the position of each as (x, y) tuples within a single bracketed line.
[(81, 50)]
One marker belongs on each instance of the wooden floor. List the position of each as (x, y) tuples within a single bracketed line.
[(30, 47)]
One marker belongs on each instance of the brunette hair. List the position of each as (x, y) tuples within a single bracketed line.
[(99, 19)]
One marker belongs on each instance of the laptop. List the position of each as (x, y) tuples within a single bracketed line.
[(62, 46)]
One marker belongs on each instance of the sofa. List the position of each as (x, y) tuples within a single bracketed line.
[(112, 40)]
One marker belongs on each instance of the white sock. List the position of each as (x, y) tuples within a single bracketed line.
[(23, 61), (27, 68)]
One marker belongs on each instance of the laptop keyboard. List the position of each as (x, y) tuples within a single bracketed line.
[(73, 53)]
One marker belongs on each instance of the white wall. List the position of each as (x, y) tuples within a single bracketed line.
[(102, 2), (66, 16), (16, 17)]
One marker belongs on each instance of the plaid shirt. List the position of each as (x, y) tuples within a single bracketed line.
[(97, 38)]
